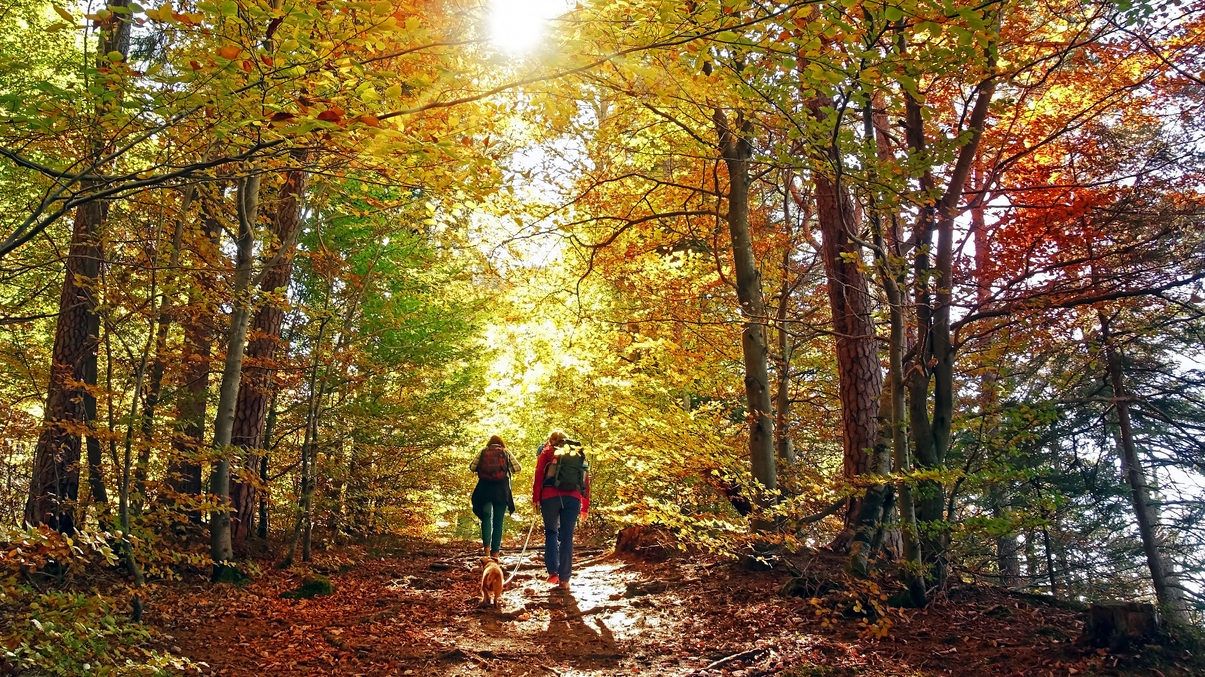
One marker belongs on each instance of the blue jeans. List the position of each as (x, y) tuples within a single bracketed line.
[(492, 515), (560, 518)]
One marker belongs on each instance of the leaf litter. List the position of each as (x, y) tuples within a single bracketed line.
[(412, 609)]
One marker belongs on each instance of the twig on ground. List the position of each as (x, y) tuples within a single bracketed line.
[(714, 665)]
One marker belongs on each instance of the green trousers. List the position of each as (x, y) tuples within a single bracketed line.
[(492, 515)]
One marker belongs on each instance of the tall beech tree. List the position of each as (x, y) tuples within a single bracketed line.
[(736, 148), (247, 205)]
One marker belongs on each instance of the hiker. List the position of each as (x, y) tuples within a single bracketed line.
[(562, 491), (492, 496)]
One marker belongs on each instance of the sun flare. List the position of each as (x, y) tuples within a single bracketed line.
[(517, 26)]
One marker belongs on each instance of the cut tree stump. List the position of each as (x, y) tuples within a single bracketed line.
[(1119, 625)]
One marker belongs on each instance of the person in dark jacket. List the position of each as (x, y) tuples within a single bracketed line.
[(560, 509), (492, 496)]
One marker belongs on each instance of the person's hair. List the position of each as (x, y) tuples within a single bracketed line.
[(556, 438), (494, 439)]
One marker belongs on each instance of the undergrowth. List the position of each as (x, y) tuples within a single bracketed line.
[(48, 626)]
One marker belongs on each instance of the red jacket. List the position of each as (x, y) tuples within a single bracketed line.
[(540, 492)]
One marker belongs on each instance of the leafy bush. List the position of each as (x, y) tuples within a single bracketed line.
[(46, 628), (67, 633)]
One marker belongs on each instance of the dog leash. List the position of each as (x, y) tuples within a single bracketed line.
[(519, 563)]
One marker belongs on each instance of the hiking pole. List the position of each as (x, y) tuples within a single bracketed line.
[(524, 552)]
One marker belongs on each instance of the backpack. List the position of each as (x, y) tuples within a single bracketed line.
[(492, 464), (567, 470)]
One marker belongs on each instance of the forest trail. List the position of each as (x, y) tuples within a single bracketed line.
[(413, 609)]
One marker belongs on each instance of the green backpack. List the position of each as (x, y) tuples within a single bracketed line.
[(567, 470)]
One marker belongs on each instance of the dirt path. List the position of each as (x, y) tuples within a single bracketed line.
[(411, 609), (419, 612)]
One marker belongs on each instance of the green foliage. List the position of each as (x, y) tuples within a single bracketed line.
[(48, 627), (399, 358), (67, 633)]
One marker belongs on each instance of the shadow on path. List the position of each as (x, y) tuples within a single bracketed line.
[(568, 635)]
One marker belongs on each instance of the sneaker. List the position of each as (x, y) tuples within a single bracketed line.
[(553, 579)]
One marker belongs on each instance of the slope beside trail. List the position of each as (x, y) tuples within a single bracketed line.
[(410, 608)]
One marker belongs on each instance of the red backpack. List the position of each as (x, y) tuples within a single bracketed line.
[(493, 464)]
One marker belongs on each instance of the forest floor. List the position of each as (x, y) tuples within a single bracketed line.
[(411, 608)]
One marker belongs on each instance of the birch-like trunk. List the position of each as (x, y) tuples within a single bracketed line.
[(221, 549)]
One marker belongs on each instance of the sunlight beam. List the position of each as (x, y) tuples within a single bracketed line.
[(517, 26)]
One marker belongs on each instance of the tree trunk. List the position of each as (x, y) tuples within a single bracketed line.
[(261, 526), (1007, 561), (1033, 566), (930, 496), (154, 387), (858, 370), (735, 148), (96, 478), (889, 254), (933, 358), (158, 365), (1145, 511), (126, 546), (877, 499), (1051, 576), (184, 472), (54, 484), (786, 346), (1121, 626), (257, 385), (301, 530), (221, 549)]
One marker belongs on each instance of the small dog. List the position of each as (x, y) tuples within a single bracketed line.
[(491, 583)]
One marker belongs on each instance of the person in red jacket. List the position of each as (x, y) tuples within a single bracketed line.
[(562, 492)]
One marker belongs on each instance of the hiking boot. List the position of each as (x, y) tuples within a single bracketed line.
[(553, 579), (496, 554), (563, 585)]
